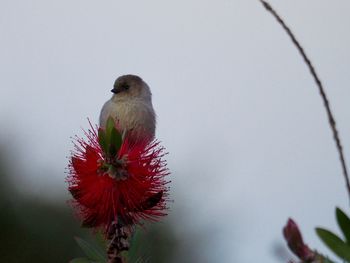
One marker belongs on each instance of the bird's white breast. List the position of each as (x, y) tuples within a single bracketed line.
[(135, 116)]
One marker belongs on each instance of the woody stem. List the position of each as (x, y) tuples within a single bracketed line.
[(118, 237)]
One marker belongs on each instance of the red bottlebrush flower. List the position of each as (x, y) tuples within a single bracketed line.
[(124, 187), (295, 242)]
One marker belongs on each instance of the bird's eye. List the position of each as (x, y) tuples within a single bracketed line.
[(125, 86)]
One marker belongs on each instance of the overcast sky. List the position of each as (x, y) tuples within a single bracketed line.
[(237, 109)]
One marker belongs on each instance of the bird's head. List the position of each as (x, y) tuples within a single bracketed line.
[(130, 87)]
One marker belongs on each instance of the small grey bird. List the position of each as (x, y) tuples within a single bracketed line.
[(132, 109)]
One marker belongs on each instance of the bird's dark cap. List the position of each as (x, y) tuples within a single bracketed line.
[(124, 82)]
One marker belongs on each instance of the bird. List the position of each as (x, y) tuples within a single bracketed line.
[(131, 108)]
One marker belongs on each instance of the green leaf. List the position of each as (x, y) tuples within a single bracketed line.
[(344, 223), (101, 242), (109, 127), (80, 260), (135, 246), (90, 251), (102, 140), (116, 139), (338, 246)]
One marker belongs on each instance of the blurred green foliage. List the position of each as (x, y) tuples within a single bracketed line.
[(31, 229)]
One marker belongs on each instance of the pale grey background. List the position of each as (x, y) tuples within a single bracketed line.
[(237, 109)]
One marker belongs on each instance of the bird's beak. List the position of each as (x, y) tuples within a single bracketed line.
[(115, 90)]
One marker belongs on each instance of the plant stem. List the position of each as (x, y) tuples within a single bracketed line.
[(330, 116), (119, 241)]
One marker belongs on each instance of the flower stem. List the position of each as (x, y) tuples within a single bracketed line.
[(118, 242)]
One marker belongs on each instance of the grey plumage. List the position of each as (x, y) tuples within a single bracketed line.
[(131, 107)]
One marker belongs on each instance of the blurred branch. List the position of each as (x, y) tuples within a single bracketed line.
[(307, 61)]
